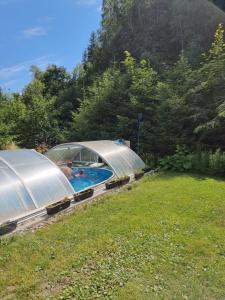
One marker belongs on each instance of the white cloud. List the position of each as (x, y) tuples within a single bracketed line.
[(15, 70), (15, 76), (33, 32)]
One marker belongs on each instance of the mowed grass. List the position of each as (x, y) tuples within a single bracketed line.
[(164, 239)]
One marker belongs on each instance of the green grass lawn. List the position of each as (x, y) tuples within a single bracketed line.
[(164, 239)]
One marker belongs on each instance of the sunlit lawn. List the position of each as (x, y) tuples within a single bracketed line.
[(164, 239)]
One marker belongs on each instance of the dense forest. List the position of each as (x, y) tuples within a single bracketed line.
[(164, 59)]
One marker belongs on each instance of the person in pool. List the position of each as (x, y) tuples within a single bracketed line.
[(80, 173), (68, 171)]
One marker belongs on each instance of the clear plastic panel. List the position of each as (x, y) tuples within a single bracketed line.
[(14, 198), (87, 155), (134, 161), (46, 183), (21, 157), (121, 158), (64, 154), (39, 180)]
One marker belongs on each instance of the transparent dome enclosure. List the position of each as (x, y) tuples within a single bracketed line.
[(29, 181), (120, 158), (71, 152)]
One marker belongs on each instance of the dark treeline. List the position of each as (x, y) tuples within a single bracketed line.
[(219, 3), (163, 58)]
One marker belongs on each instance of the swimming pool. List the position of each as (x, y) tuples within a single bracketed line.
[(90, 178)]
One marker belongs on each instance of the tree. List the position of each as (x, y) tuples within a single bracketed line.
[(113, 101), (11, 110), (208, 96), (39, 123)]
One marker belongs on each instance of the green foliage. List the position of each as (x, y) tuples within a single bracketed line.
[(207, 98), (180, 161), (41, 114), (209, 162), (157, 30), (37, 124), (151, 160), (11, 111), (203, 162), (111, 104)]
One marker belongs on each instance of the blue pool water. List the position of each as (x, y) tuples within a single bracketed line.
[(91, 177)]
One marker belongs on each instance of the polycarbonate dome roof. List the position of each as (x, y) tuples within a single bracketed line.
[(119, 157), (28, 182)]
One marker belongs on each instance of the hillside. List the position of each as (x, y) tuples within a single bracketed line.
[(157, 30)]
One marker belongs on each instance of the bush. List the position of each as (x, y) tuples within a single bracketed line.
[(151, 160), (203, 162), (181, 161), (217, 163)]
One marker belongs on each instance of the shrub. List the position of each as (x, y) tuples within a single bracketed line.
[(204, 162), (151, 160), (181, 161)]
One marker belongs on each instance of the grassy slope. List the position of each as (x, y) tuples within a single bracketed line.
[(165, 239)]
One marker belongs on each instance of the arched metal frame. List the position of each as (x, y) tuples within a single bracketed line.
[(119, 157)]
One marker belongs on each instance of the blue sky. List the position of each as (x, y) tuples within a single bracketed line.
[(42, 32)]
